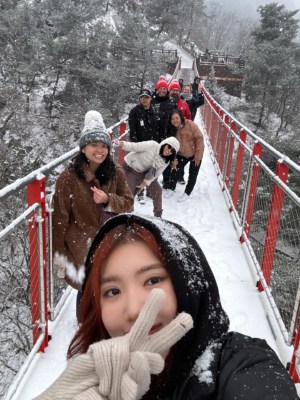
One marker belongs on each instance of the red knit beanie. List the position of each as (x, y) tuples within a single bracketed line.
[(162, 82), (174, 85)]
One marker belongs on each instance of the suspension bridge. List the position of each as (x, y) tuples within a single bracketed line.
[(244, 214)]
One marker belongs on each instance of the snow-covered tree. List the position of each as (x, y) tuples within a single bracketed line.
[(270, 67)]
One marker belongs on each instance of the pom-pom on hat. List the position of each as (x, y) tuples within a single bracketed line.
[(162, 82), (174, 85), (94, 130)]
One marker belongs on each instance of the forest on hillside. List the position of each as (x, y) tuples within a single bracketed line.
[(60, 59)]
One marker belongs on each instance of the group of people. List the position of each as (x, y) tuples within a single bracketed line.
[(156, 118), (93, 189), (151, 324)]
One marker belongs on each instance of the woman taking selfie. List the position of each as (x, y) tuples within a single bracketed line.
[(152, 325)]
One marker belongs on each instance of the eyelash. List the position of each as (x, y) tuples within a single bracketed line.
[(158, 279), (108, 292)]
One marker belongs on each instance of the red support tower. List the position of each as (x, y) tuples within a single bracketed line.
[(36, 194)]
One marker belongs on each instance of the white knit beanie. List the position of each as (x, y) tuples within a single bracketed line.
[(94, 130)]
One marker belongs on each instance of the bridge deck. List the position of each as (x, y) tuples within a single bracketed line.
[(206, 216)]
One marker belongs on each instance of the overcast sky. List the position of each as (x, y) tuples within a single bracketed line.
[(249, 7)]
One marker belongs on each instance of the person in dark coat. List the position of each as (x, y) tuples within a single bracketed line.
[(196, 86), (142, 120), (131, 263), (143, 126), (163, 105), (192, 102)]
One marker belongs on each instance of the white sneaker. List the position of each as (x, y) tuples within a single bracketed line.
[(168, 193), (141, 199), (183, 197)]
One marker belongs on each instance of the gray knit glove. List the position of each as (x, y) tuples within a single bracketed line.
[(125, 364), (150, 173)]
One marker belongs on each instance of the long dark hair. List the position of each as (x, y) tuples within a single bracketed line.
[(172, 130), (171, 157), (92, 329), (104, 173)]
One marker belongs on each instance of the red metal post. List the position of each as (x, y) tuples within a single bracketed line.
[(257, 151), (214, 128), (36, 194), (223, 144), (293, 370), (122, 130), (206, 111), (238, 169), (230, 154), (273, 224)]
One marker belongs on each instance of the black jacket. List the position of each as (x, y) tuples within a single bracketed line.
[(193, 104), (163, 107), (143, 124), (208, 363)]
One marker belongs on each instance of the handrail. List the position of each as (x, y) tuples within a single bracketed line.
[(262, 203), (216, 119), (44, 170), (290, 163)]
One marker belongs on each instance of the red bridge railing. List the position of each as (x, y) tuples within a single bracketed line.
[(260, 187), (258, 183), (32, 295)]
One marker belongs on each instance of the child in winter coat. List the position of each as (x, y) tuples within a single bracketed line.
[(153, 327), (145, 163), (90, 190)]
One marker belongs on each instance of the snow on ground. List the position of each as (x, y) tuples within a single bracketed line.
[(207, 218), (186, 58)]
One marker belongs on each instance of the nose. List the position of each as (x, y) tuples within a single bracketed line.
[(134, 303)]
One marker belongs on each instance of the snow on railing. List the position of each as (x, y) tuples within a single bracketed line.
[(32, 294), (258, 183)]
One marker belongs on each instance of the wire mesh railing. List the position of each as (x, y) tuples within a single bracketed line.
[(31, 293), (263, 201), (253, 177), (21, 313)]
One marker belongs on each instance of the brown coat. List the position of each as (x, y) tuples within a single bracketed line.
[(191, 141), (77, 218)]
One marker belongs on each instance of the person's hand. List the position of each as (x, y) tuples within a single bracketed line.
[(141, 186), (120, 368), (99, 196), (117, 143), (174, 164), (125, 364), (150, 174), (196, 161)]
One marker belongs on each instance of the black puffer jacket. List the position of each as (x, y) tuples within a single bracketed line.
[(143, 124), (209, 363), (163, 107)]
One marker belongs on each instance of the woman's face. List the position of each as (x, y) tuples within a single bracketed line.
[(186, 89), (129, 274), (175, 120), (96, 153), (167, 150)]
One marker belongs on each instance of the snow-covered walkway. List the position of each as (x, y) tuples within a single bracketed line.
[(206, 217)]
